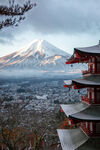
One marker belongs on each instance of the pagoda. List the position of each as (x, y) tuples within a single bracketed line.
[(85, 115)]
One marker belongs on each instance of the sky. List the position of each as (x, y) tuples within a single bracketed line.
[(64, 23)]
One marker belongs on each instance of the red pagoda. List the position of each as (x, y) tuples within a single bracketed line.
[(86, 114)]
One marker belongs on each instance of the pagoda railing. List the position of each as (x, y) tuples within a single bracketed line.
[(85, 72), (88, 132), (86, 99), (90, 71), (89, 101)]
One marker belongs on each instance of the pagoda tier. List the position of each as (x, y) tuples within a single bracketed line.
[(90, 55), (85, 54), (82, 112), (92, 96), (70, 109), (91, 83), (88, 81), (75, 139)]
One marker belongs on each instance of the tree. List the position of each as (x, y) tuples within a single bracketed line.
[(16, 131), (13, 14)]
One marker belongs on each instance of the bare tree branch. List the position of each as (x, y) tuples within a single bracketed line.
[(15, 9), (14, 13)]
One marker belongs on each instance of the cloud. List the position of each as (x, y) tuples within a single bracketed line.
[(62, 16), (66, 16), (6, 37)]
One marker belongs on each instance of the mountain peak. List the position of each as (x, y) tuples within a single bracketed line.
[(41, 47), (37, 54)]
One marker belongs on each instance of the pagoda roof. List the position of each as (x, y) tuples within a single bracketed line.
[(83, 54), (91, 80), (70, 109), (82, 112), (87, 81), (75, 139), (90, 144), (90, 50), (71, 139)]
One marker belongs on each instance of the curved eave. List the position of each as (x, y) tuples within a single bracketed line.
[(77, 60), (84, 53), (89, 81), (92, 113), (75, 139), (86, 83), (70, 109), (89, 51), (71, 139), (90, 144)]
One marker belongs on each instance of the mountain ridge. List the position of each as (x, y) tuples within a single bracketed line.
[(35, 54)]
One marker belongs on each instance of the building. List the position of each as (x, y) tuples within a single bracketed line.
[(86, 114)]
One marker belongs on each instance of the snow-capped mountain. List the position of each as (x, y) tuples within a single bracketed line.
[(39, 55)]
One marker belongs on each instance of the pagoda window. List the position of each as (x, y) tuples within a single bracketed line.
[(97, 96), (82, 124), (92, 96), (98, 59), (93, 59), (90, 60), (86, 125), (98, 67), (98, 128), (94, 68), (91, 126), (70, 122), (88, 66), (89, 93)]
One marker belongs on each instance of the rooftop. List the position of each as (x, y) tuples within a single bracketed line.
[(71, 139), (83, 112), (84, 53), (92, 49), (70, 109), (91, 80), (75, 139), (91, 113)]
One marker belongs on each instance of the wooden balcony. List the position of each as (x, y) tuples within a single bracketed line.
[(90, 133), (89, 101), (86, 99), (87, 131), (90, 72), (85, 72)]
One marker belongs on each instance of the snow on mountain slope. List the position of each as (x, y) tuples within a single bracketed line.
[(39, 55), (41, 47), (32, 56)]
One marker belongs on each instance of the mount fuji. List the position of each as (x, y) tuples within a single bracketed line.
[(40, 56)]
